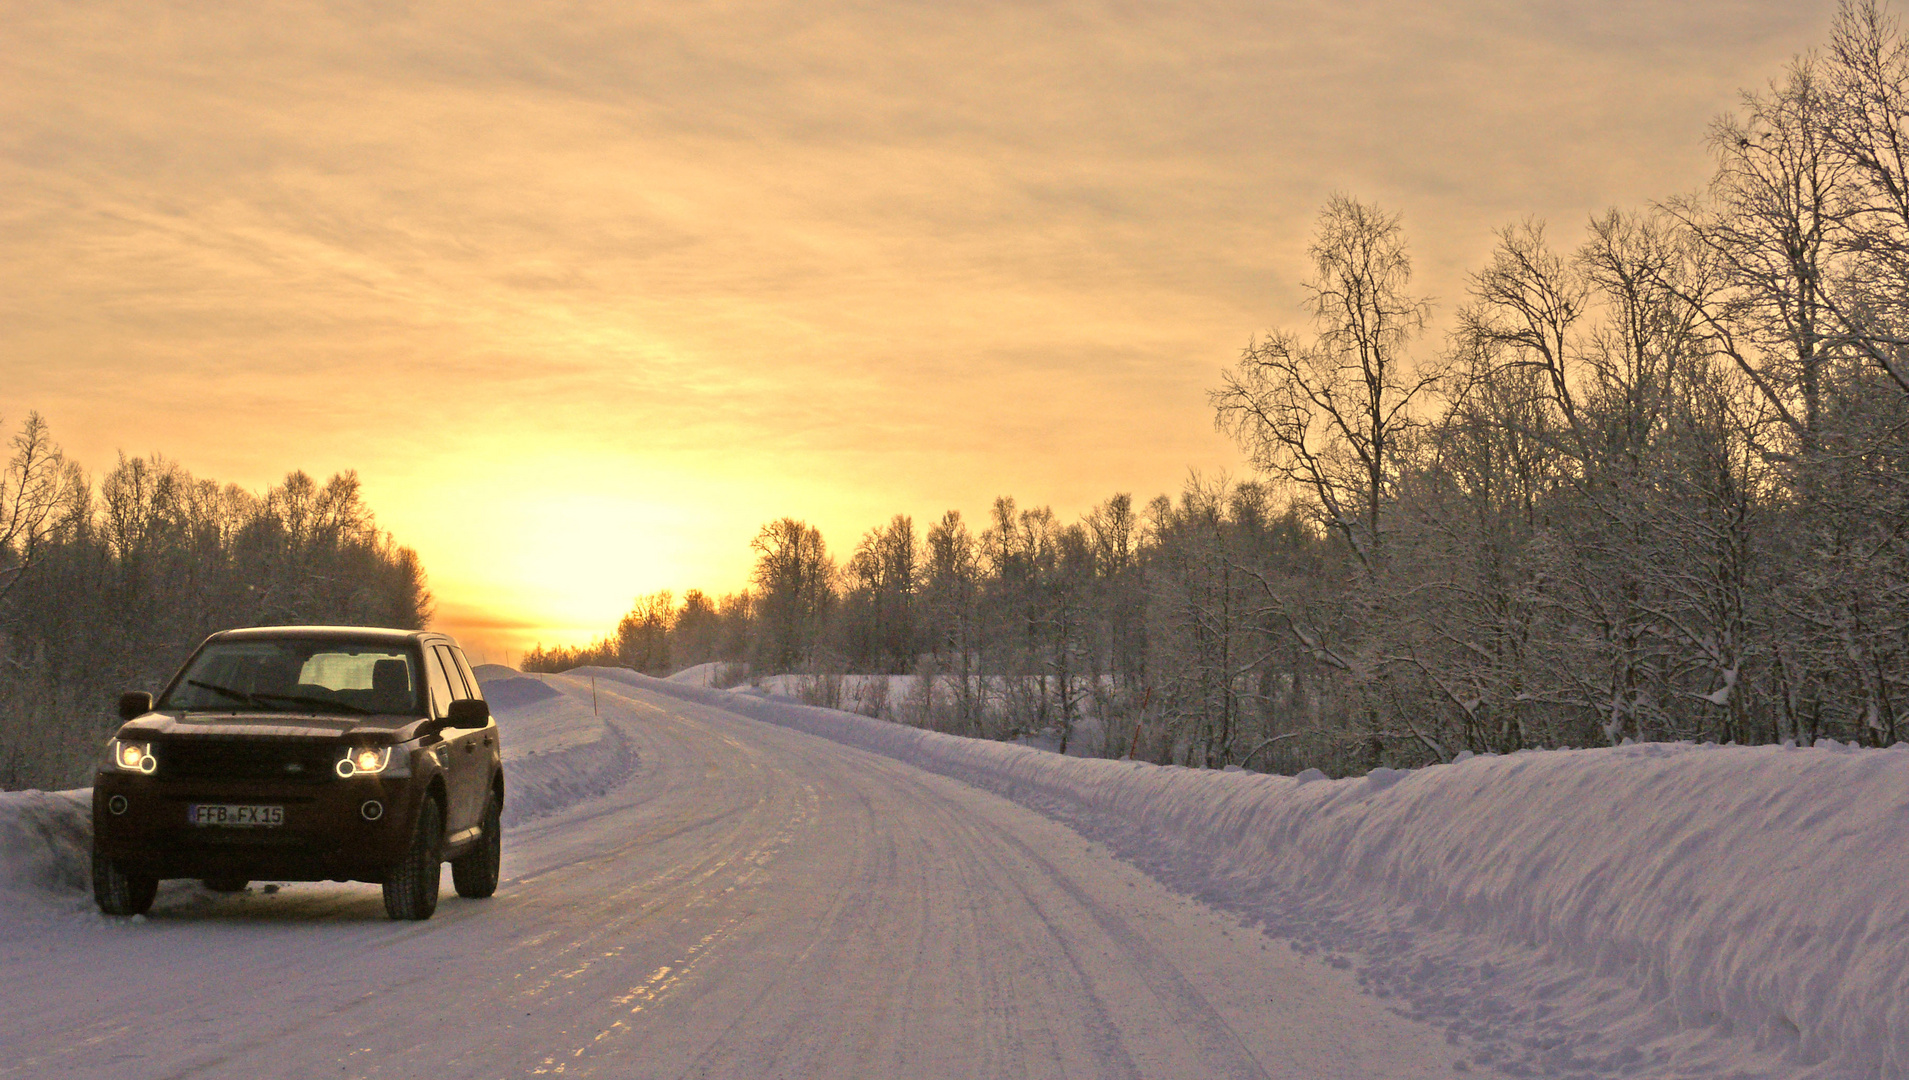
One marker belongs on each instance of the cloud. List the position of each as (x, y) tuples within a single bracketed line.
[(892, 256)]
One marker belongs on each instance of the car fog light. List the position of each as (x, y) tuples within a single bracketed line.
[(117, 804), (372, 809)]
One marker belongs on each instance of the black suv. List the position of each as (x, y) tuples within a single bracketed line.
[(304, 753)]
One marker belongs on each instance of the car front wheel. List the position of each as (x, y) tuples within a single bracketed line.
[(410, 888), (118, 892)]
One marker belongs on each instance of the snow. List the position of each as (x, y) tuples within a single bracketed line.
[(1646, 910), (557, 749), (749, 901), (45, 838), (697, 675), (891, 697), (1729, 904), (513, 690)]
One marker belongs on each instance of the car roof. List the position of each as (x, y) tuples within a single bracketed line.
[(374, 634)]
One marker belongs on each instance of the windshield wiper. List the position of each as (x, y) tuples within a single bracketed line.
[(306, 699), (236, 695), (258, 699)]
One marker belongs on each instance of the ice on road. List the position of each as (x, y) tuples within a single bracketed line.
[(746, 900)]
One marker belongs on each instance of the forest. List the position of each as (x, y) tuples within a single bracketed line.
[(1652, 485), (107, 586)]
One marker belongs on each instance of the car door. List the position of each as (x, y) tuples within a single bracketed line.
[(465, 769), (492, 748)]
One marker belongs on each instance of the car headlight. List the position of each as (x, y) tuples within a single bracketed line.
[(129, 756), (364, 761)]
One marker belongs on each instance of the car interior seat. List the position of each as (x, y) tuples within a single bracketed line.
[(391, 685)]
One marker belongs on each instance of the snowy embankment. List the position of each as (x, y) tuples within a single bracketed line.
[(45, 840), (557, 752), (1596, 908), (899, 698)]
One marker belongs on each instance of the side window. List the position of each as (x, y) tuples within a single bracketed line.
[(459, 688), (470, 677), (441, 696)]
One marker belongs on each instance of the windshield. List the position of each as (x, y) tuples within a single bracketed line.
[(297, 676)]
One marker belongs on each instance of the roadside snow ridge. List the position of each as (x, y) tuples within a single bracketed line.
[(1737, 895)]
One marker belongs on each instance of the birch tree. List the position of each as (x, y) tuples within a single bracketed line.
[(1326, 413)]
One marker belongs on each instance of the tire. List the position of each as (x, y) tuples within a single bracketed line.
[(475, 872), (120, 893), (410, 888), (225, 884)]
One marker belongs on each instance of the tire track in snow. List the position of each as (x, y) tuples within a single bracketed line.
[(1222, 1052), (752, 900)]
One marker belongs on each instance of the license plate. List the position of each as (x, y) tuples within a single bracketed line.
[(243, 817)]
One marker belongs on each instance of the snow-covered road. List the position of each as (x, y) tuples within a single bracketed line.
[(751, 902)]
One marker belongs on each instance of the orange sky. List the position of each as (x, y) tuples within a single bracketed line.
[(587, 292)]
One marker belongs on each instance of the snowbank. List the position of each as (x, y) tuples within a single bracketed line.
[(698, 675), (1728, 894), (513, 690), (557, 751), (895, 698), (46, 840)]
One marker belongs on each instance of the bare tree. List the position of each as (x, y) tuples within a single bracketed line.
[(37, 478), (1868, 127), (695, 630), (1774, 217), (951, 592), (1326, 414), (643, 636), (882, 579), (795, 582), (124, 581)]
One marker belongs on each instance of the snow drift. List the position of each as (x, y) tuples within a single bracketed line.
[(1656, 893), (46, 838), (513, 690), (557, 751)]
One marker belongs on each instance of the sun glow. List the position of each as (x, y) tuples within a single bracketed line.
[(587, 301), (517, 560)]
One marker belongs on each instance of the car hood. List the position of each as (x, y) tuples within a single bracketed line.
[(270, 725)]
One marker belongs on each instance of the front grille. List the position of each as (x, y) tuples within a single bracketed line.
[(214, 758)]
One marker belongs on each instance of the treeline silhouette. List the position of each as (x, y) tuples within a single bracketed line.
[(108, 586), (1654, 485)]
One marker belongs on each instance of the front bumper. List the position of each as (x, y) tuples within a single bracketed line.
[(325, 835)]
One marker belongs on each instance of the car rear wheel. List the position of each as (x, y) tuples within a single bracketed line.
[(410, 888), (475, 872), (118, 892)]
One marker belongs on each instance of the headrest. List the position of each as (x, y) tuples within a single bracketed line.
[(275, 673), (391, 676)]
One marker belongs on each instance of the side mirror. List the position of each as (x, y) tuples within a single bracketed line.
[(468, 713), (134, 703)]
